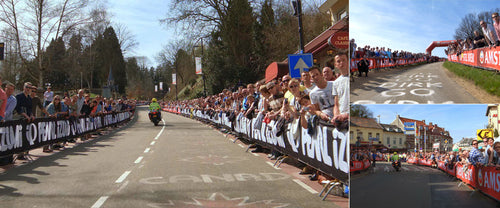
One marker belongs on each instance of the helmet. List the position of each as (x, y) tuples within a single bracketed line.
[(153, 100), (395, 153)]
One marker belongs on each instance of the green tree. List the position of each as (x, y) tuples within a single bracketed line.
[(360, 111), (55, 65)]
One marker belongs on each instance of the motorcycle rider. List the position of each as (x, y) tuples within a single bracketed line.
[(154, 106), (395, 159)]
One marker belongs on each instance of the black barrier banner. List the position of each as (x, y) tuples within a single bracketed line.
[(326, 150), (20, 136)]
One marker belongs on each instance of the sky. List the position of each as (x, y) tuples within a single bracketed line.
[(410, 25), (142, 19), (461, 120)]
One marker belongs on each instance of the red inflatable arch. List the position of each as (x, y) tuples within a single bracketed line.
[(439, 44)]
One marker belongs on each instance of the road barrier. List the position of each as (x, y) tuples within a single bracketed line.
[(20, 136), (485, 179), (326, 150), (379, 63), (359, 165), (485, 58)]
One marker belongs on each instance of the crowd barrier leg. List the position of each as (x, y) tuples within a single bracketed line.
[(249, 146), (328, 187), (278, 159), (236, 139), (281, 160)]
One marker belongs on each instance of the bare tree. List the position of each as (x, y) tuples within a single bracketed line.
[(198, 17), (35, 23), (126, 38)]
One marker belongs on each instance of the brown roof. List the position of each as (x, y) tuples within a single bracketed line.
[(419, 123), (365, 122)]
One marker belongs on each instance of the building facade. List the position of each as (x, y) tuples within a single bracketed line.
[(493, 121)]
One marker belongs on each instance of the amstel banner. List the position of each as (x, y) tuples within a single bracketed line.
[(488, 58)]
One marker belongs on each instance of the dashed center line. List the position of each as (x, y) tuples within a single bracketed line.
[(138, 159), (241, 145), (152, 143), (147, 150), (123, 177), (100, 202)]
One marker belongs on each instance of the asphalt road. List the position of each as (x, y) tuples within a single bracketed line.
[(424, 84), (180, 164), (413, 186)]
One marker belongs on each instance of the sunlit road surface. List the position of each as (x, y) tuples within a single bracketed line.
[(181, 163), (413, 186), (424, 84)]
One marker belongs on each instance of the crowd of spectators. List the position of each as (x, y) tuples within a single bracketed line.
[(487, 37), (316, 95), (27, 106), (381, 52), (481, 154)]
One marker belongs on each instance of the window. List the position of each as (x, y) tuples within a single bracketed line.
[(400, 141), (394, 142), (369, 135), (388, 140), (378, 135), (351, 135)]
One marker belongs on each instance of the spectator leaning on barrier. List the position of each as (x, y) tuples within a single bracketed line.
[(11, 102), (24, 105), (496, 26), (490, 35), (340, 90), (306, 82), (48, 96), (475, 156), (496, 148), (479, 40), (80, 101), (328, 74), (3, 101), (275, 100), (321, 96), (37, 103)]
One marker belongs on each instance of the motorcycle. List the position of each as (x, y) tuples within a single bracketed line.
[(396, 165), (155, 117)]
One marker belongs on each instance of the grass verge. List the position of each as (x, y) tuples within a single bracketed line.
[(488, 80)]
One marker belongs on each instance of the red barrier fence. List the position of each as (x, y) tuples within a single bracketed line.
[(486, 58), (485, 179), (378, 63), (359, 165)]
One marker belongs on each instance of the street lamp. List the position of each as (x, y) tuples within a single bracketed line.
[(297, 11)]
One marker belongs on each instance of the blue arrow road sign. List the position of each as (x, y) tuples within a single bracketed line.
[(297, 63)]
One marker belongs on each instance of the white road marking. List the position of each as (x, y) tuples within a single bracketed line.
[(138, 159), (100, 202), (122, 186), (161, 131), (152, 143), (255, 154), (123, 177), (241, 145), (305, 186), (405, 168), (272, 165), (147, 150)]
